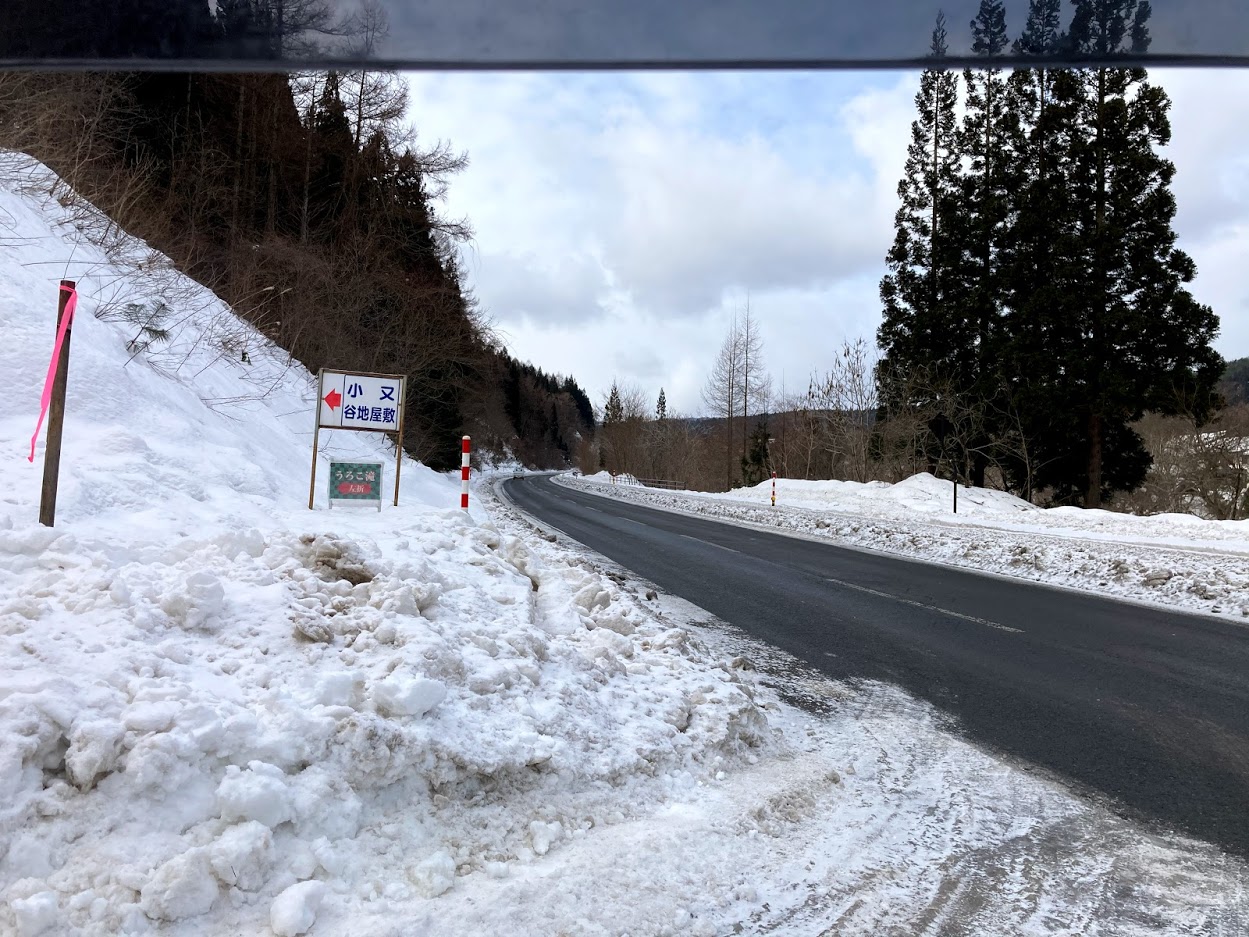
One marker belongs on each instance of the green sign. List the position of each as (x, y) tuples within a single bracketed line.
[(356, 481)]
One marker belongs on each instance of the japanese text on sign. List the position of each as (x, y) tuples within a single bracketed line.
[(351, 401), (355, 481)]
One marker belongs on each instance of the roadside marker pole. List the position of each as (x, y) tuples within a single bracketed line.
[(773, 489), (466, 443), (53, 403)]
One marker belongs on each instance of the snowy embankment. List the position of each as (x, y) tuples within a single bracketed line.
[(222, 713), (1172, 559)]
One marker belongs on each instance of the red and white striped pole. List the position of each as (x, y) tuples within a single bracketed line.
[(773, 489), (466, 446)]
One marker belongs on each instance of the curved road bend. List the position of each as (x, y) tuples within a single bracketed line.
[(1148, 706)]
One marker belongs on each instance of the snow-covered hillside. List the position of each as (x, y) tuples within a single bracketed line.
[(220, 712), (1170, 559)]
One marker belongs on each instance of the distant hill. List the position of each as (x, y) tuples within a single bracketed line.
[(1235, 382)]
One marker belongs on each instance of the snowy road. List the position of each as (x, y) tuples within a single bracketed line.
[(1147, 706)]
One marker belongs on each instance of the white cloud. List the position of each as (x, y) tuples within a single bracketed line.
[(620, 218)]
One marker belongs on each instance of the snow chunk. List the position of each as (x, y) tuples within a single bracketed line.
[(35, 914), (94, 747), (543, 835), (181, 888), (260, 793), (402, 695), (336, 688), (198, 604), (295, 910), (433, 876), (243, 855), (150, 717)]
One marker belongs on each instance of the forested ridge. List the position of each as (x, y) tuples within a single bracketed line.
[(305, 201)]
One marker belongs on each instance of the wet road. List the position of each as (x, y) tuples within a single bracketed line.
[(1147, 706)]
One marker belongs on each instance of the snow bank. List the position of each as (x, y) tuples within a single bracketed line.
[(1175, 560), (221, 712), (925, 497)]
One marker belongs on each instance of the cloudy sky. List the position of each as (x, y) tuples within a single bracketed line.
[(621, 218)]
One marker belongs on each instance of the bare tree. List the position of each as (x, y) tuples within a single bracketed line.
[(756, 389), (720, 394), (844, 403), (376, 100), (1198, 470)]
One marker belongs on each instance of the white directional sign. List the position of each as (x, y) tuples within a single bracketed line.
[(360, 401), (371, 403)]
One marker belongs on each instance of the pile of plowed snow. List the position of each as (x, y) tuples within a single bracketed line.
[(220, 712)]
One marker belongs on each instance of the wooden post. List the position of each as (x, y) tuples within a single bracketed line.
[(316, 438), (403, 406), (56, 417)]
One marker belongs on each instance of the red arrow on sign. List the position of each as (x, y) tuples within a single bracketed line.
[(333, 398)]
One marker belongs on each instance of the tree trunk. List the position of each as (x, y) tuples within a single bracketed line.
[(932, 191), (274, 163), (238, 152), (745, 383), (978, 466), (312, 117), (1093, 496)]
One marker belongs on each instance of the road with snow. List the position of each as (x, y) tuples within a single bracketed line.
[(1147, 706)]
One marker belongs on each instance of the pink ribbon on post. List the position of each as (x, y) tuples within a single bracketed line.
[(46, 399)]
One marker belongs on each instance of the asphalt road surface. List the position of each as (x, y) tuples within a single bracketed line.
[(1147, 706)]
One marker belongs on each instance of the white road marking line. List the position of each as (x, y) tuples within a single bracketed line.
[(709, 543), (931, 608)]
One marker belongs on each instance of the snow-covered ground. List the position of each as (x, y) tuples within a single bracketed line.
[(211, 694), (223, 714), (1170, 559)]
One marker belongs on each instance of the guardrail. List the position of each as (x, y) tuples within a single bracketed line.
[(663, 483)]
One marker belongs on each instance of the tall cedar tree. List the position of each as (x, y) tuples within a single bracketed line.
[(1039, 230), (1128, 335), (923, 290), (661, 406), (990, 143)]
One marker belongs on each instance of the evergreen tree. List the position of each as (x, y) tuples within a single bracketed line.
[(661, 406), (990, 142), (332, 142), (1125, 335), (613, 413), (921, 290), (585, 409), (757, 460), (1038, 233)]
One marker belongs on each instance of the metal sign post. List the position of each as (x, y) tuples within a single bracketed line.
[(316, 438), (363, 402)]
